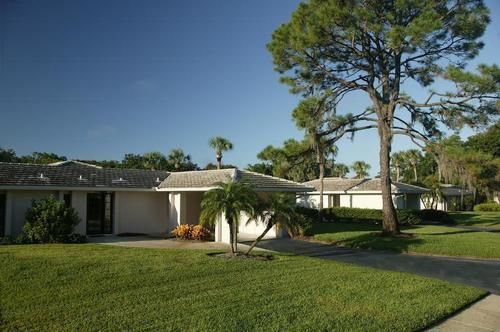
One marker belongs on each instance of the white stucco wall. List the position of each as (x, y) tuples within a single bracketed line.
[(19, 202), (141, 212), (364, 201)]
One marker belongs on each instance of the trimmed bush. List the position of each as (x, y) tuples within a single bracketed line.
[(49, 221), (191, 232), (436, 215), (487, 207), (371, 216)]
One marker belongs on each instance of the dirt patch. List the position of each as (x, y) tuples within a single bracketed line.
[(228, 255)]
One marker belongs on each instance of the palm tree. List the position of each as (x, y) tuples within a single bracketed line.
[(154, 160), (177, 158), (414, 156), (278, 209), (229, 199), (220, 145), (340, 170), (398, 161), (361, 169)]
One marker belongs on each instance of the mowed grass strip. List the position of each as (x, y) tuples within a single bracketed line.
[(436, 240), (92, 287), (479, 219)]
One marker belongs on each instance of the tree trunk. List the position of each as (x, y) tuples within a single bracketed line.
[(415, 175), (397, 173), (390, 219), (261, 236), (219, 161), (231, 237), (235, 237)]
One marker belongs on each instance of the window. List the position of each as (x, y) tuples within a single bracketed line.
[(333, 200)]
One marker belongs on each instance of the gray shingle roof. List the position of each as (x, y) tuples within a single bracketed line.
[(450, 190), (77, 175), (196, 179), (360, 185), (81, 175), (210, 178)]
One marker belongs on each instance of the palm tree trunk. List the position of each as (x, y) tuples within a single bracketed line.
[(261, 236), (231, 236), (235, 237), (397, 173), (415, 175), (219, 161)]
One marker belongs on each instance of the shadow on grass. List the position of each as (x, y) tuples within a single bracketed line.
[(378, 242)]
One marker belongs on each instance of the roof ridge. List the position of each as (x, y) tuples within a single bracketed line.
[(270, 176), (204, 170)]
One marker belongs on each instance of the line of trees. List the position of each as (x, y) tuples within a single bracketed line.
[(176, 160)]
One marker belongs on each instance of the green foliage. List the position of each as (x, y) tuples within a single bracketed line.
[(262, 168), (340, 170), (361, 169), (358, 215), (345, 214), (220, 145), (436, 215), (211, 166), (8, 155), (294, 161), (49, 220), (231, 200), (490, 207)]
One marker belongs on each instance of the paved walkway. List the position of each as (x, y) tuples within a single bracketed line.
[(482, 316), (478, 273)]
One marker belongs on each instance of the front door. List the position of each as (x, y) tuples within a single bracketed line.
[(99, 213)]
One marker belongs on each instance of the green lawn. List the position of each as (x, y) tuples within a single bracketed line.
[(437, 240), (480, 219), (92, 287)]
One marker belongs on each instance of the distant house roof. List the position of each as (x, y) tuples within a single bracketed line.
[(67, 174), (451, 190), (72, 174), (198, 180), (341, 185), (73, 163)]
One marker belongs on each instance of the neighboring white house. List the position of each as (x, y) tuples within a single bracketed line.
[(451, 196), (117, 201), (360, 193)]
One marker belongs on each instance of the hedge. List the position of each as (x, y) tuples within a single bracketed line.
[(489, 207), (373, 216)]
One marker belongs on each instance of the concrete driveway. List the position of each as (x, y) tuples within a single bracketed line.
[(478, 273)]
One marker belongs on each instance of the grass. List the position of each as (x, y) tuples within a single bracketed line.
[(92, 287), (480, 219), (437, 240)]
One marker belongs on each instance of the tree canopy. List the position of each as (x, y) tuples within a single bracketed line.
[(338, 47)]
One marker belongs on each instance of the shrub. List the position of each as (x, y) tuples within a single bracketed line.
[(191, 232), (436, 215), (306, 217), (372, 216), (487, 207), (49, 220)]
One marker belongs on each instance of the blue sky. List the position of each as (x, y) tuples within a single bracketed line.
[(96, 79)]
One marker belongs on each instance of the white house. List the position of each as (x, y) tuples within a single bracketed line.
[(360, 193), (116, 201)]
